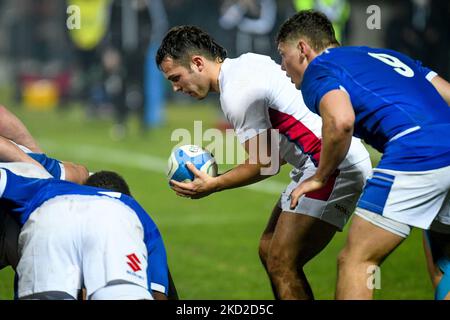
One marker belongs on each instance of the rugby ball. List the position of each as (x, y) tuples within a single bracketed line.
[(201, 158)]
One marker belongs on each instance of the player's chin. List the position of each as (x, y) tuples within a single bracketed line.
[(200, 97), (296, 83)]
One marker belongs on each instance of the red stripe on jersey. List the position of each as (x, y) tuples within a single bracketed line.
[(297, 132), (324, 193)]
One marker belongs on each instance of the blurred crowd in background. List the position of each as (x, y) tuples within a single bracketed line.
[(107, 65)]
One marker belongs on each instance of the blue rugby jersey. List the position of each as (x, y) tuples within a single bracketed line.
[(398, 111)]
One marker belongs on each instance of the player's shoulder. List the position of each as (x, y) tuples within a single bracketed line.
[(338, 55), (334, 61), (350, 54), (250, 62), (255, 57), (244, 78)]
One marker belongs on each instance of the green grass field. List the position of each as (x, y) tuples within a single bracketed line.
[(212, 243)]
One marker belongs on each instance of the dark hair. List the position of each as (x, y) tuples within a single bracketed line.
[(108, 180), (181, 42), (313, 25)]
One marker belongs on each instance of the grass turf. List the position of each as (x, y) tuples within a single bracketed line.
[(212, 243)]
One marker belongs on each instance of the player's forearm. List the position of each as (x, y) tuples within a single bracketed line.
[(12, 128), (242, 175), (338, 119), (336, 140), (10, 152)]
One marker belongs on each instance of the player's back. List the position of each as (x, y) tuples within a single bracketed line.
[(392, 97), (22, 195)]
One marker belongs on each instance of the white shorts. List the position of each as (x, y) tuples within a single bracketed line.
[(336, 201), (75, 241), (411, 198)]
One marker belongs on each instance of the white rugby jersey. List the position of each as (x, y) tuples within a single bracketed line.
[(255, 95)]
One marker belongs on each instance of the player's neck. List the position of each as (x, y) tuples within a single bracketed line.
[(314, 54), (215, 73)]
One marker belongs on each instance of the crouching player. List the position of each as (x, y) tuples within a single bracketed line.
[(77, 236)]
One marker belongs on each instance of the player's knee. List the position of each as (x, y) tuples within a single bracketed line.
[(343, 258), (351, 256), (279, 266), (274, 267)]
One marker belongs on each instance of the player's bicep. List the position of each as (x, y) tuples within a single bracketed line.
[(256, 145), (336, 108), (321, 81), (247, 112), (443, 87)]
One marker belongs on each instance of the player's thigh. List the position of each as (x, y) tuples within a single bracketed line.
[(113, 247), (369, 242), (266, 237), (298, 238), (272, 222)]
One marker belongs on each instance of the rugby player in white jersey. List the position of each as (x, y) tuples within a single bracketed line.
[(256, 97)]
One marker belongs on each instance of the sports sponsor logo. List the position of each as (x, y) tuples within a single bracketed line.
[(343, 210), (134, 262)]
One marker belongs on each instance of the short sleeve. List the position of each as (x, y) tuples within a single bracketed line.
[(53, 166), (247, 112), (319, 79), (426, 72)]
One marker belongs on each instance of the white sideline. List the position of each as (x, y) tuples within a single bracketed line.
[(136, 160)]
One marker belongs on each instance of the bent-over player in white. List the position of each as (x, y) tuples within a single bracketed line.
[(260, 102)]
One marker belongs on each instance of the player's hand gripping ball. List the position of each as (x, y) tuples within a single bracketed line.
[(201, 158)]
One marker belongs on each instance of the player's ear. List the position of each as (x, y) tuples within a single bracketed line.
[(304, 48), (198, 62)]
